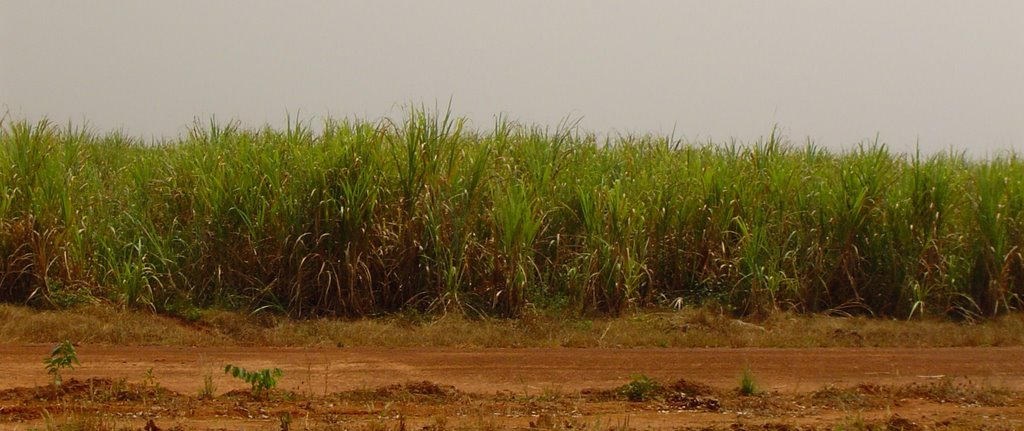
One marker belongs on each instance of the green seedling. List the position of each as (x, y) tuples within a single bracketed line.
[(62, 356), (262, 381)]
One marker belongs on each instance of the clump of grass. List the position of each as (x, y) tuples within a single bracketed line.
[(748, 384), (368, 217), (209, 389)]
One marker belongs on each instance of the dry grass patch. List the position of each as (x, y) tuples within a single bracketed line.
[(945, 390), (702, 327), (97, 324)]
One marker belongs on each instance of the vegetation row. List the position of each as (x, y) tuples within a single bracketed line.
[(367, 217)]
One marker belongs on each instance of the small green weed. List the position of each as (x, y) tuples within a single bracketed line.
[(262, 381), (62, 356), (748, 385), (209, 388), (641, 388)]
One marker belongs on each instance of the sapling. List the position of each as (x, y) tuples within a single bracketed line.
[(262, 381), (62, 356)]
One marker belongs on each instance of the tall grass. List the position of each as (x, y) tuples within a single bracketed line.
[(362, 218)]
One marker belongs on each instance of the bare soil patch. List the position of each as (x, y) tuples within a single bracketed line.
[(125, 387)]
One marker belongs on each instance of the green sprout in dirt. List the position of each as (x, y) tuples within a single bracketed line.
[(62, 356), (262, 381), (748, 386), (209, 388)]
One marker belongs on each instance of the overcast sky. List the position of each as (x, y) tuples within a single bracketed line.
[(941, 73)]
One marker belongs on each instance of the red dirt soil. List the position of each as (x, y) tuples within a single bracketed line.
[(531, 372), (489, 370)]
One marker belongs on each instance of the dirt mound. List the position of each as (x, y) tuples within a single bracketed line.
[(419, 390), (100, 389), (690, 387), (682, 394), (957, 391), (682, 401)]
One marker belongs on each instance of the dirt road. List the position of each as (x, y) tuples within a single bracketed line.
[(319, 370), (408, 388)]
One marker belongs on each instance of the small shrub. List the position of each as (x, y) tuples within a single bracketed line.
[(641, 388), (748, 386), (62, 356), (262, 381)]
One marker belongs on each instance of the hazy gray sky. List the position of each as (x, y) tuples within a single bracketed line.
[(944, 73)]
